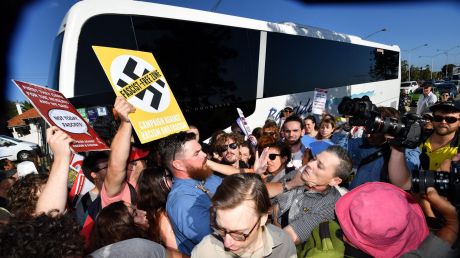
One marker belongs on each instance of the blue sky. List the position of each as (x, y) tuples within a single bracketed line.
[(408, 25)]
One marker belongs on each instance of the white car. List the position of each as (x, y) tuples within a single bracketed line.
[(409, 86), (14, 149)]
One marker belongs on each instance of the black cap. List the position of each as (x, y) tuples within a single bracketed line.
[(447, 106)]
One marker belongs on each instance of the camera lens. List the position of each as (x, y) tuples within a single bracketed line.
[(422, 179)]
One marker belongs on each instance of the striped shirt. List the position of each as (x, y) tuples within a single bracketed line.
[(307, 209)]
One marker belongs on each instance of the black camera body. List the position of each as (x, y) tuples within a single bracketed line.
[(362, 112), (446, 183)]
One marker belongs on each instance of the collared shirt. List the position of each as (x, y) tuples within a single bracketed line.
[(424, 103), (306, 209), (276, 244), (188, 209), (281, 175)]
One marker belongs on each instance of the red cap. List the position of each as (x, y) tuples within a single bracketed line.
[(137, 153)]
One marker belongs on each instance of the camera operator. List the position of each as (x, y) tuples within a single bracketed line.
[(371, 152), (441, 145)]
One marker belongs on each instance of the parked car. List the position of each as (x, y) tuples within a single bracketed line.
[(418, 92), (410, 86), (449, 87), (15, 149)]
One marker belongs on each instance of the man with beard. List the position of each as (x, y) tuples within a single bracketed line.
[(293, 130), (194, 184), (441, 145), (228, 148)]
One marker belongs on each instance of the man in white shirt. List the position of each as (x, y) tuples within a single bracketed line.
[(427, 99)]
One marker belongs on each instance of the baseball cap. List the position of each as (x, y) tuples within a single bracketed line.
[(447, 106), (26, 167), (381, 219), (288, 107)]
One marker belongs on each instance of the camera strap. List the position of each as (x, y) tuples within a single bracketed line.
[(381, 152)]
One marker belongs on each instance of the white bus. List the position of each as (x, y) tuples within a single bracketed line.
[(215, 63)]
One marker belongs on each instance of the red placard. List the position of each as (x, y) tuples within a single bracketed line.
[(58, 111)]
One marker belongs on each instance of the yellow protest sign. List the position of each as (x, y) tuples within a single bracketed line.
[(137, 77)]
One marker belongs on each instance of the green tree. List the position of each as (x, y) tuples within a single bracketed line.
[(25, 105), (12, 111), (404, 70), (449, 70)]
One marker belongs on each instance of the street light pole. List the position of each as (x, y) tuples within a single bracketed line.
[(410, 52), (375, 32), (446, 52), (432, 58)]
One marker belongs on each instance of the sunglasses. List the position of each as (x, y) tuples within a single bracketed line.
[(273, 156), (231, 146), (448, 119), (288, 110)]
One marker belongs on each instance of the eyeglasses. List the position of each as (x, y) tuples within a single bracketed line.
[(272, 156), (448, 119), (222, 232), (231, 146)]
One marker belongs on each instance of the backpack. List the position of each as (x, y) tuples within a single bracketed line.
[(323, 242)]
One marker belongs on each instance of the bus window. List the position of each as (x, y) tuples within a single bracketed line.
[(310, 63), (212, 69)]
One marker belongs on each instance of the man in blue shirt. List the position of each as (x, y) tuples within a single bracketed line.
[(193, 186)]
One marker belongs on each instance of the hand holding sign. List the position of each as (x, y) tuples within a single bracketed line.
[(58, 111), (123, 108), (59, 142), (68, 121)]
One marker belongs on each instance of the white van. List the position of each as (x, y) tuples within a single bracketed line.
[(410, 86), (14, 149)]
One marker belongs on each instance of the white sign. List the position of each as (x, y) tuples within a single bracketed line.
[(319, 101)]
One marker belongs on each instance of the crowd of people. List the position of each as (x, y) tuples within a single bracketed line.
[(263, 195)]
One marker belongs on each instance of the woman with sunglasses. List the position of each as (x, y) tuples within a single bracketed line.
[(153, 188), (279, 156)]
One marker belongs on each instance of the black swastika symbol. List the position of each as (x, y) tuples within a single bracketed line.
[(129, 71)]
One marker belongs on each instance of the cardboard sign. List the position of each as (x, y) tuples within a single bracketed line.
[(137, 77), (58, 111), (319, 101)]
